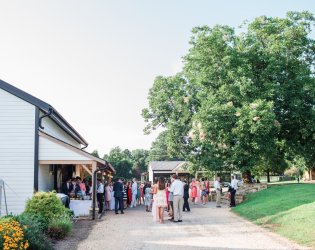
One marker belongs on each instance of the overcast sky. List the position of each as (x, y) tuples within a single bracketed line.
[(95, 60)]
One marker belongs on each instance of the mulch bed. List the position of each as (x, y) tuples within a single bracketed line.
[(81, 229)]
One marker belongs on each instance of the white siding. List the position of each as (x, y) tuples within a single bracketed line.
[(17, 138), (45, 179), (51, 128), (49, 150)]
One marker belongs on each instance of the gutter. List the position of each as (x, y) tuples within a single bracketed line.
[(40, 118)]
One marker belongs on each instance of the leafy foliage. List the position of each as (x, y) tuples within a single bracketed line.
[(120, 162), (243, 100), (34, 232), (139, 157), (63, 222), (45, 204), (95, 153), (159, 149)]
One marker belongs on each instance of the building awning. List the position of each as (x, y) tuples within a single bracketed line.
[(54, 151)]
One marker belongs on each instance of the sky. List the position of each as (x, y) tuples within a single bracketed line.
[(95, 60)]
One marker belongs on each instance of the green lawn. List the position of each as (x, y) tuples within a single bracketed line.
[(288, 210), (283, 182)]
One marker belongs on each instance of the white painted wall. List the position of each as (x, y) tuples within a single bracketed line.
[(51, 128), (17, 138), (45, 180), (49, 150)]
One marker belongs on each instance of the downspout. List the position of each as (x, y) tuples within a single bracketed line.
[(84, 147), (40, 118), (94, 188)]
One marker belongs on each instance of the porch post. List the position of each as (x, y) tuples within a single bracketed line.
[(77, 170), (93, 169)]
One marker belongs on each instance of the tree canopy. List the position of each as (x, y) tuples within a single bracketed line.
[(243, 100), (120, 162)]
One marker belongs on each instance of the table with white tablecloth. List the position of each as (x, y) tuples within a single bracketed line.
[(80, 207)]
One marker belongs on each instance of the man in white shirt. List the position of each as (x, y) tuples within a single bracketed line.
[(134, 189), (217, 186), (178, 191), (100, 192), (233, 191)]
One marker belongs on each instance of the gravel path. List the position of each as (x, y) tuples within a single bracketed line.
[(205, 227)]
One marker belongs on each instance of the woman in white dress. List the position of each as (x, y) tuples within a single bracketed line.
[(160, 198), (155, 211)]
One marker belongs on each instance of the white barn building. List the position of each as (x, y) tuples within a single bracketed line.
[(39, 149)]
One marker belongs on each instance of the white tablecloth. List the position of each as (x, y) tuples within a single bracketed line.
[(80, 207)]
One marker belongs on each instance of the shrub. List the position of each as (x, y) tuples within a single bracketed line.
[(35, 231), (63, 222), (12, 236), (45, 204), (70, 213), (56, 233)]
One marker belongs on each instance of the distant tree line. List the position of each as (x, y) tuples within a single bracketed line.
[(129, 164)]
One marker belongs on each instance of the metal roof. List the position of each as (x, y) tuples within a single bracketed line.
[(164, 165), (56, 116)]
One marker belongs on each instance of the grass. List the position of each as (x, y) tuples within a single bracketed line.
[(282, 182), (288, 210)]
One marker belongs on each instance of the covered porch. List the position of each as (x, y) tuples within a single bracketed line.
[(59, 161)]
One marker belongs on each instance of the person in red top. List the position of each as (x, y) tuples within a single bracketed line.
[(129, 193), (81, 185)]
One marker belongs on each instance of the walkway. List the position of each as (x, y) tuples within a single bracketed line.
[(205, 227)]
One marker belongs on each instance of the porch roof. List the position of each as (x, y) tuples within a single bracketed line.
[(86, 158)]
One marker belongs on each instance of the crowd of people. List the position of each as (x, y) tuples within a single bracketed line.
[(171, 195)]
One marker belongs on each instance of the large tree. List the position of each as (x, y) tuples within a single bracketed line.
[(159, 150), (245, 98), (139, 157), (120, 162)]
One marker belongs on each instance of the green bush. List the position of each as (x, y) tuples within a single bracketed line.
[(4, 219), (46, 204), (64, 222), (70, 213), (35, 232)]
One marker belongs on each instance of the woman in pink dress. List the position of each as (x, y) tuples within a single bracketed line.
[(155, 211), (193, 193), (108, 196), (198, 200)]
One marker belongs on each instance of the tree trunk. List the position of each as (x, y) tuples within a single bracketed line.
[(247, 177), (309, 175), (268, 176)]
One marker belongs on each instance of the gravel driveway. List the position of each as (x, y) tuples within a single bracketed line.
[(205, 227)]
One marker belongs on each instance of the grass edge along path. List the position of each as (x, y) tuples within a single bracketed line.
[(287, 210)]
